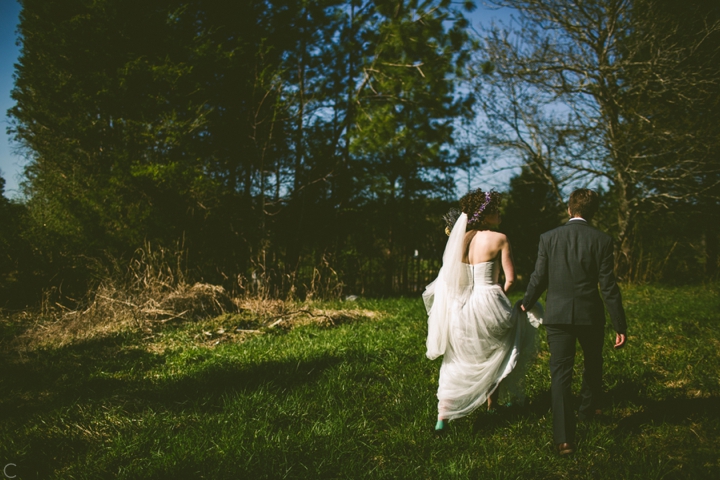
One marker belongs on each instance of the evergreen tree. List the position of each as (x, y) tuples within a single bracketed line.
[(16, 257), (532, 208), (406, 112), (261, 136)]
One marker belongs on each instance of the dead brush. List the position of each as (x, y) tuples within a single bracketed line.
[(325, 281), (154, 290), (257, 316)]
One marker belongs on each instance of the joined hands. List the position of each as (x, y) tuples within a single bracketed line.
[(620, 338)]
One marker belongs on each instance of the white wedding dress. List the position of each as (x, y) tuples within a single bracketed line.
[(483, 339)]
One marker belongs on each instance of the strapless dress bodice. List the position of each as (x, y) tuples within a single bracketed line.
[(481, 274)]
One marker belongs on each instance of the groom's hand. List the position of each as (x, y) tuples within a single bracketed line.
[(620, 340), (522, 307)]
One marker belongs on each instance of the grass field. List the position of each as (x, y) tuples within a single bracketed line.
[(353, 400)]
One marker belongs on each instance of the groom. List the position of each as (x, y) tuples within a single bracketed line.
[(572, 261)]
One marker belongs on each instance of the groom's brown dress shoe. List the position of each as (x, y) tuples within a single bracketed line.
[(565, 449)]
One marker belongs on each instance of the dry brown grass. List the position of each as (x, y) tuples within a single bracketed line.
[(259, 317), (154, 292)]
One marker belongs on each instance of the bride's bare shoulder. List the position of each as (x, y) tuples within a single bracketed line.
[(486, 240), (492, 235), (501, 236)]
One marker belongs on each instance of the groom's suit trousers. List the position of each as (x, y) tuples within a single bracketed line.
[(561, 342)]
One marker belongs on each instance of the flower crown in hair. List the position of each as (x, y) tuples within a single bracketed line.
[(476, 215)]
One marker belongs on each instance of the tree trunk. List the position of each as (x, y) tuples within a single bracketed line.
[(297, 204), (712, 236), (625, 258)]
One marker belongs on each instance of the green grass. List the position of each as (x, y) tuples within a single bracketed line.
[(355, 401)]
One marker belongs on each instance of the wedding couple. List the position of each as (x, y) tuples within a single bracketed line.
[(487, 343)]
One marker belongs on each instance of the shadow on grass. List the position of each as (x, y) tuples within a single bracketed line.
[(50, 378), (533, 410), (209, 385), (49, 394), (114, 372), (671, 410)]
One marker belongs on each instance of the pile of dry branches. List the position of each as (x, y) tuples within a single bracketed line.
[(154, 291)]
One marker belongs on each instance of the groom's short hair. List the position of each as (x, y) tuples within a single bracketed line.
[(584, 203)]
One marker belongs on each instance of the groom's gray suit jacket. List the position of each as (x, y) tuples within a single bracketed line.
[(572, 261)]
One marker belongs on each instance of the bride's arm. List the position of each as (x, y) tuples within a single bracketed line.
[(507, 264)]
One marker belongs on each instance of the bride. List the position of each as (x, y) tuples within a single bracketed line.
[(483, 339)]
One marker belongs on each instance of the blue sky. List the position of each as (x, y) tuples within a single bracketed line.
[(11, 164)]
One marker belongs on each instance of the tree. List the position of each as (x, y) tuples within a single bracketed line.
[(676, 125), (562, 89), (16, 257), (532, 208), (406, 109), (243, 132)]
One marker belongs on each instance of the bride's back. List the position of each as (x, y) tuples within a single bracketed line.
[(483, 246)]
